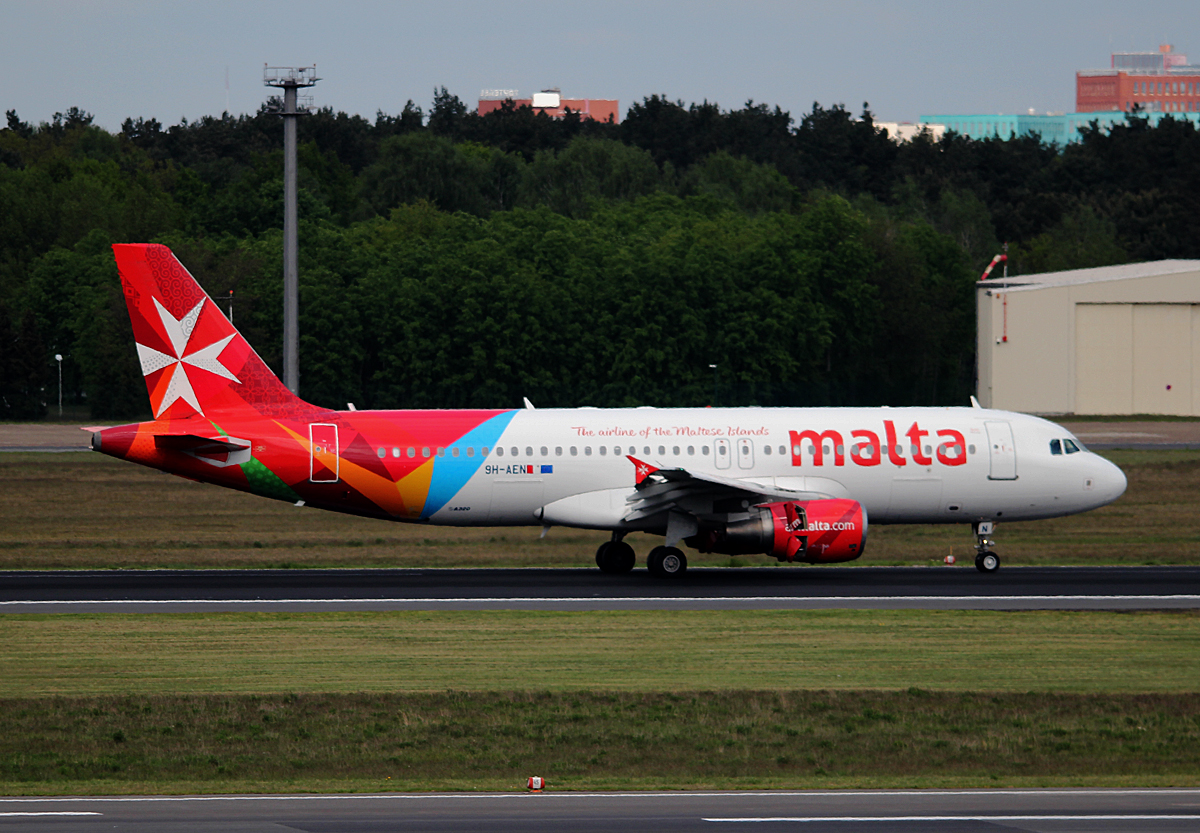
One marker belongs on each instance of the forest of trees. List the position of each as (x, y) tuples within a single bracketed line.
[(453, 260)]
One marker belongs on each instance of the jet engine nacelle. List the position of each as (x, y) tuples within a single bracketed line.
[(818, 531)]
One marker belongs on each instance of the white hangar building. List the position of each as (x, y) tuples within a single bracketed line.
[(1111, 340)]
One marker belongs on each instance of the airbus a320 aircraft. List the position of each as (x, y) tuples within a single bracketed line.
[(798, 484)]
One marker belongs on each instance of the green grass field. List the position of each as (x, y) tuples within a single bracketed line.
[(595, 740), (260, 653), (339, 701), (84, 510)]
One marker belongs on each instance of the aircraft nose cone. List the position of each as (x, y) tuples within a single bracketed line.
[(1111, 482)]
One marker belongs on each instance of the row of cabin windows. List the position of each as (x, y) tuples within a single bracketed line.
[(767, 450), (441, 452)]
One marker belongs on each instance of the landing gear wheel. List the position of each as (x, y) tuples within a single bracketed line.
[(615, 557), (666, 562), (987, 562), (602, 556)]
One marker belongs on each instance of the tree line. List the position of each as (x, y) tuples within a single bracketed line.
[(456, 260)]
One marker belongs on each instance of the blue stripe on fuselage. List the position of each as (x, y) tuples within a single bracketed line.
[(451, 473)]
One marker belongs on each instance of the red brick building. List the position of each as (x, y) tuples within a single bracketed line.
[(552, 104), (1159, 82)]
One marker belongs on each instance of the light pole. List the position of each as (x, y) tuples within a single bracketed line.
[(714, 370), (58, 358), (290, 79)]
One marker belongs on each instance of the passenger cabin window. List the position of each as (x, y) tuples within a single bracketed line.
[(1055, 447), (425, 451), (574, 451), (412, 452), (603, 450), (587, 451), (499, 452), (395, 451), (1070, 447), (558, 451), (704, 450), (382, 453), (544, 451), (470, 451), (766, 449), (516, 452)]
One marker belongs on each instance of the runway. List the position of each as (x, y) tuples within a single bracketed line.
[(1111, 811), (765, 588)]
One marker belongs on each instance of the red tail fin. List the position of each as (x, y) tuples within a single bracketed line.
[(194, 361)]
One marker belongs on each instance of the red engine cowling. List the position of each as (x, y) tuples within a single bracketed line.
[(817, 531)]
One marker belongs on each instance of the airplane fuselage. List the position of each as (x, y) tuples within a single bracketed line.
[(571, 467)]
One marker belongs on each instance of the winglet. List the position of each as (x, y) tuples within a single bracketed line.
[(975, 403), (641, 469)]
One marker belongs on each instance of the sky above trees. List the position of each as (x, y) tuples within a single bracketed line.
[(167, 60)]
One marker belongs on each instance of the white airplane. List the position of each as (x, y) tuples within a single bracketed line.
[(798, 484)]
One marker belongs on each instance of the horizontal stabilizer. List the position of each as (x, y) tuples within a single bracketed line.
[(196, 443)]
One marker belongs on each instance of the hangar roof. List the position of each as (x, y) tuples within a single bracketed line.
[(1099, 274)]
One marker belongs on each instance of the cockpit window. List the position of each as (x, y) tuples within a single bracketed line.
[(1055, 447), (1070, 446)]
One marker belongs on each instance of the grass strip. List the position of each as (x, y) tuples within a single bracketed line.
[(85, 510), (581, 740), (140, 654)]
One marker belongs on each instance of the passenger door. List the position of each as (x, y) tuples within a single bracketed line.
[(1002, 451), (323, 459), (745, 453), (721, 455)]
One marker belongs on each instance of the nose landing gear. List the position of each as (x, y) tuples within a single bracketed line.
[(986, 561)]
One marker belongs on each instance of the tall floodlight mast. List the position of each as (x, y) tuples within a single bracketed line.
[(290, 79)]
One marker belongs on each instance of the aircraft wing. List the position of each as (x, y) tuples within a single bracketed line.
[(699, 494)]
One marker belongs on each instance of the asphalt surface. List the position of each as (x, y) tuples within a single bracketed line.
[(1146, 811), (793, 587)]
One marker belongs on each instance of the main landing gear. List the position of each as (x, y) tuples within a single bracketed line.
[(986, 561), (666, 562), (615, 557)]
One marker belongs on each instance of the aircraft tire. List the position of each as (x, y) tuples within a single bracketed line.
[(615, 557), (621, 557), (666, 562), (602, 559), (987, 562)]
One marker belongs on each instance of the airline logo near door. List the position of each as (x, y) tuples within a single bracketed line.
[(865, 448)]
